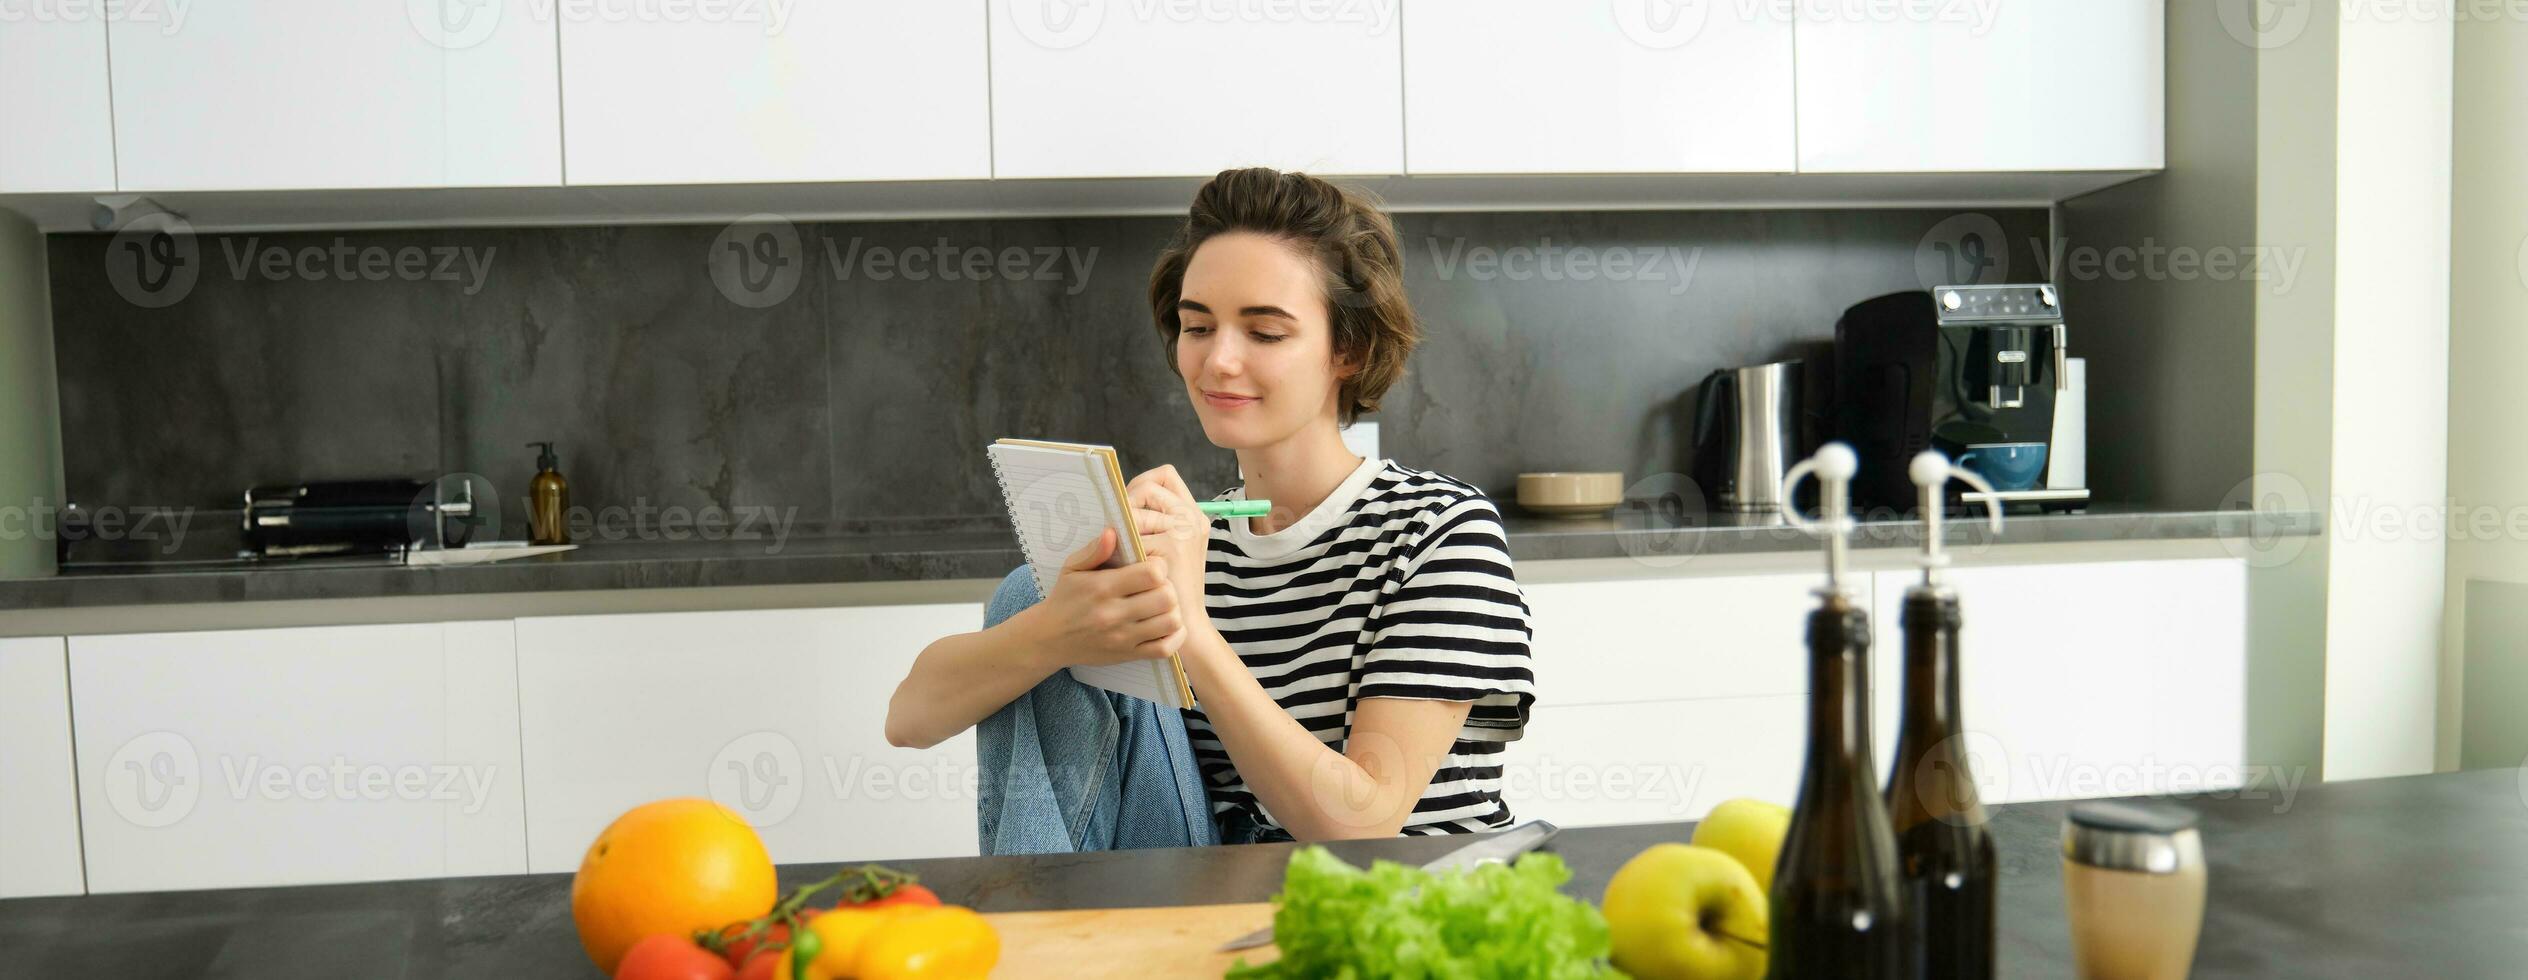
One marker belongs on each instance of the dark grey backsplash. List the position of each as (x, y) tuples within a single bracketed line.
[(865, 394)]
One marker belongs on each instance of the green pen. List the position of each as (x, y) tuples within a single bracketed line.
[(1236, 508)]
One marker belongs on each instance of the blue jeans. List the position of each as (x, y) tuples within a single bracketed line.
[(1069, 767)]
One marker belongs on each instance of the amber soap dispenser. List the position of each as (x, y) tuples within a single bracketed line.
[(548, 497)]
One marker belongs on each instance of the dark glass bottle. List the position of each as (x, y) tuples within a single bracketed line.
[(1838, 907), (1943, 845)]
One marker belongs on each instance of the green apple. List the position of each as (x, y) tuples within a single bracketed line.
[(1681, 912), (1749, 830)]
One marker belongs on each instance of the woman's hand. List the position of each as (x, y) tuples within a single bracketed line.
[(1173, 525), (1099, 616)]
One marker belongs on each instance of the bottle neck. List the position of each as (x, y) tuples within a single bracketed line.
[(1931, 700), (1838, 688)]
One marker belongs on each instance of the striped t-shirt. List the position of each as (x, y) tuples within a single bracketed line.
[(1397, 586)]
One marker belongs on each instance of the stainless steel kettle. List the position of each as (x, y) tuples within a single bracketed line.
[(1746, 434)]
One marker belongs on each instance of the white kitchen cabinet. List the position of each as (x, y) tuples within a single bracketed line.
[(2087, 680), (56, 128), (1654, 761), (1519, 87), (39, 800), (310, 94), (873, 90), (779, 714), (2044, 85), (1672, 638), (232, 758), (1168, 89)]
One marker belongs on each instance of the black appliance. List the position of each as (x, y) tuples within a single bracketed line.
[(344, 517), (1954, 368)]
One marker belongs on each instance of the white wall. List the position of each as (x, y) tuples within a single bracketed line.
[(2488, 308), (2391, 395)]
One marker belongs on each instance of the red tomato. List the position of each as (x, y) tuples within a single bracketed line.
[(775, 939), (667, 956), (767, 965), (905, 894)]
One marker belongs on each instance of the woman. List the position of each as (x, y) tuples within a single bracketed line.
[(1360, 655)]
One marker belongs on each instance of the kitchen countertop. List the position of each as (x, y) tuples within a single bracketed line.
[(970, 553), (2420, 876)]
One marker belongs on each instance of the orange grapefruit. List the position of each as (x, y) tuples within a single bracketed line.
[(671, 866)]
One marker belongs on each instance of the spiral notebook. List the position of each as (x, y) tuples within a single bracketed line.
[(1060, 494)]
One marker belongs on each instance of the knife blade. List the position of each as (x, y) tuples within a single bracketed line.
[(1511, 843)]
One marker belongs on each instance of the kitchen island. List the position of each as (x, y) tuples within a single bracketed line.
[(2422, 876)]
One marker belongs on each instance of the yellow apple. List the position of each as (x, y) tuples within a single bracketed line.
[(1749, 830), (1681, 912)]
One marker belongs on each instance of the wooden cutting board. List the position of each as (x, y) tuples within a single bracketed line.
[(1169, 942)]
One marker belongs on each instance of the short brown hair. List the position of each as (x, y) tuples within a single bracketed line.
[(1353, 245)]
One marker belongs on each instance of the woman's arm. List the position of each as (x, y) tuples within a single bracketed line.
[(1395, 746), (1367, 790), (1094, 616)]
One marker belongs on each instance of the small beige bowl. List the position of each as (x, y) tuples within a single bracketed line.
[(1571, 494)]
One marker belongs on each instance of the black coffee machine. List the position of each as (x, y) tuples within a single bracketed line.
[(1963, 369)]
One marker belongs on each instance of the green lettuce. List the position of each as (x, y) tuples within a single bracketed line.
[(1391, 921)]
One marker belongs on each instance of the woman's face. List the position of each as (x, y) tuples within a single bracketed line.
[(1254, 342)]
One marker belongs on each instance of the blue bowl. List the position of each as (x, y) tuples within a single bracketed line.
[(2006, 465)]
